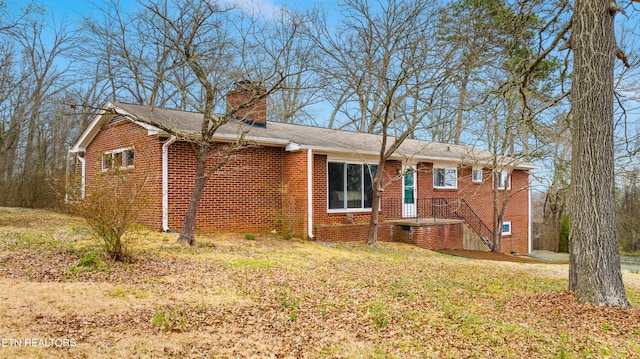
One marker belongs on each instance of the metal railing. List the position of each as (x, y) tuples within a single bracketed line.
[(437, 208)]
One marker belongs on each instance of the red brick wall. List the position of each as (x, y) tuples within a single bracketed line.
[(321, 214), (517, 212), (242, 196), (294, 193), (433, 236), (350, 232), (477, 195), (264, 187), (147, 163)]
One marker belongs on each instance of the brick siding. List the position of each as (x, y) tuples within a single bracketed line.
[(264, 188), (242, 196), (147, 163)]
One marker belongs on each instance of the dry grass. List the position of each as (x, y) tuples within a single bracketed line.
[(232, 297)]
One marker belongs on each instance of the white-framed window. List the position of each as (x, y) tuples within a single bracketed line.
[(349, 185), (445, 177), (506, 228), (118, 159), (504, 180), (476, 175)]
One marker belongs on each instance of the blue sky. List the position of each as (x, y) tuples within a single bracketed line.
[(69, 9)]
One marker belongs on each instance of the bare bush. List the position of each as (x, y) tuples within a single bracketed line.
[(112, 207)]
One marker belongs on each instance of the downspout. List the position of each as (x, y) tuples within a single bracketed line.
[(83, 162), (530, 229), (165, 183), (310, 192)]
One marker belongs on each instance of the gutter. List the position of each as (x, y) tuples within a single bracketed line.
[(310, 192), (165, 183), (83, 161), (530, 229)]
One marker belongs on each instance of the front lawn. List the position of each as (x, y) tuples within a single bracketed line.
[(233, 297)]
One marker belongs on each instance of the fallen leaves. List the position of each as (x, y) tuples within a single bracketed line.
[(230, 297)]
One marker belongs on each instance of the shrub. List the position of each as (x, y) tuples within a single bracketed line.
[(563, 244), (112, 206)]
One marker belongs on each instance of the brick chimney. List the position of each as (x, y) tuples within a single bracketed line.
[(245, 92)]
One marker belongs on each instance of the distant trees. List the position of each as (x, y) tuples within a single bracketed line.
[(35, 82), (628, 207)]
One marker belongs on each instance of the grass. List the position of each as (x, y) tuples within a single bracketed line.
[(233, 297)]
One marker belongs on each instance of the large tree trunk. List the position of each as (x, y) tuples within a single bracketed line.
[(187, 235), (594, 272)]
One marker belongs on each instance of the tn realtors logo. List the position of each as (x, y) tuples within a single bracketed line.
[(38, 342)]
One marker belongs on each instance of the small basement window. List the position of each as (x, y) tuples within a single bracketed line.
[(506, 228)]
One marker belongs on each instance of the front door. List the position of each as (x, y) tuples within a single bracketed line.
[(409, 193)]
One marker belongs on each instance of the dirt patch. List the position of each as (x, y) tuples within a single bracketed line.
[(492, 256)]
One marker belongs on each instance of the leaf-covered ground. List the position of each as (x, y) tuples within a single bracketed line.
[(271, 298)]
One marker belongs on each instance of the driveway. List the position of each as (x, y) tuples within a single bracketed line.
[(627, 263)]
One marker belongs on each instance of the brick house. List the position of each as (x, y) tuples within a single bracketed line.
[(311, 182)]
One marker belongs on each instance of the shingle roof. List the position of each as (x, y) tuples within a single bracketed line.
[(321, 140)]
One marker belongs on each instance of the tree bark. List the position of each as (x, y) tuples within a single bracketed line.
[(372, 238), (594, 272), (187, 234)]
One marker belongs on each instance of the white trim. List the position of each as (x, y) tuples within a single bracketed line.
[(530, 224), (410, 210), (293, 147), (165, 183), (445, 167), (228, 137), (91, 130), (353, 158), (510, 228), (310, 193), (83, 181), (122, 151), (346, 209), (151, 130), (499, 179), (476, 169)]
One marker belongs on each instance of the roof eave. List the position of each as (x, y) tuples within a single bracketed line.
[(92, 130)]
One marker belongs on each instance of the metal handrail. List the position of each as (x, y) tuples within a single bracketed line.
[(437, 208)]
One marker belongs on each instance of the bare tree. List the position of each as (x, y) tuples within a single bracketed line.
[(292, 102), (33, 79), (387, 66), (189, 55), (594, 272)]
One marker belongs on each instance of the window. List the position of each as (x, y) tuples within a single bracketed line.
[(506, 228), (476, 175), (445, 177), (350, 185), (118, 159), (504, 180)]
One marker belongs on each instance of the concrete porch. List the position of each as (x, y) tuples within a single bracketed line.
[(436, 234)]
